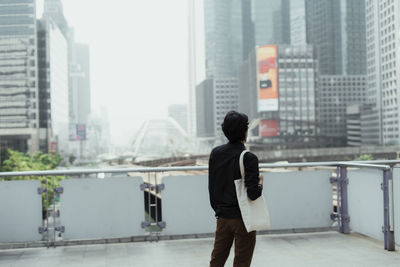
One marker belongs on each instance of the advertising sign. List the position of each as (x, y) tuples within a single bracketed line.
[(53, 146), (80, 132), (268, 128), (77, 132), (267, 78)]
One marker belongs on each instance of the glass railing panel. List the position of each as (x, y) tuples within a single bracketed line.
[(299, 199), (365, 200), (186, 206), (102, 208), (20, 211)]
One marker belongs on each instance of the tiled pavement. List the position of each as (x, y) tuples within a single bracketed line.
[(311, 249)]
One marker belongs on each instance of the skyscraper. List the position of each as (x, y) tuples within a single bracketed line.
[(19, 106), (271, 21), (383, 70), (54, 9), (223, 37), (298, 22), (191, 114), (229, 38), (247, 29), (80, 77), (337, 31), (215, 97), (53, 87), (335, 94), (79, 95)]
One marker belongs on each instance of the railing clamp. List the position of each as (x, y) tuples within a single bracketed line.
[(162, 224), (59, 190), (144, 186), (41, 190), (346, 219), (145, 224), (333, 180), (345, 180), (60, 228), (42, 229), (160, 187)]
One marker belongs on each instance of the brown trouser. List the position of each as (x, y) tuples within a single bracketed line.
[(227, 230)]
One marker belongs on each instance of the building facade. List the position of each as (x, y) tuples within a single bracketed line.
[(335, 94), (353, 125), (192, 62), (79, 72), (383, 72), (228, 36), (337, 30), (215, 98), (294, 123), (19, 103), (225, 99), (205, 109), (271, 21), (298, 23), (53, 87), (54, 9)]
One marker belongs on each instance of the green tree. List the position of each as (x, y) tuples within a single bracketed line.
[(364, 157), (15, 161)]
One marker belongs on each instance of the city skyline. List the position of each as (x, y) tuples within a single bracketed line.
[(130, 49), (122, 64)]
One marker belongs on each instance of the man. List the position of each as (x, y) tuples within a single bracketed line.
[(223, 170)]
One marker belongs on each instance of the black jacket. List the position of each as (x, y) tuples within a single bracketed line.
[(223, 169)]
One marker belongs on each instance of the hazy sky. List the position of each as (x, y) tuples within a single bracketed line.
[(138, 55)]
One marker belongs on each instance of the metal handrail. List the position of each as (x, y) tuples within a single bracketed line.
[(381, 164)]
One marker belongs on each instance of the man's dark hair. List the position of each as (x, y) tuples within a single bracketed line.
[(235, 126)]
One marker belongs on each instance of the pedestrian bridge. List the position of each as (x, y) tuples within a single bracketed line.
[(322, 214)]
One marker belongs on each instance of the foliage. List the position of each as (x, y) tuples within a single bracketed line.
[(18, 161), (13, 161), (364, 157)]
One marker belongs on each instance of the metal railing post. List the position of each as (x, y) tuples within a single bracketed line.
[(338, 200), (149, 205), (54, 211), (387, 188), (156, 204), (344, 208), (47, 211)]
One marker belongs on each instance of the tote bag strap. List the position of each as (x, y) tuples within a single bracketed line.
[(241, 164)]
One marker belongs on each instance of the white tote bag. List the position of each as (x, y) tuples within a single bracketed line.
[(254, 212)]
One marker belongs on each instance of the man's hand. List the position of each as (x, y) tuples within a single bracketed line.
[(261, 180)]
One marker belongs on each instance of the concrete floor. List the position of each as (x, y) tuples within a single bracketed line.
[(316, 249)]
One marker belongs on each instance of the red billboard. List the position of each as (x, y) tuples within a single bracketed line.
[(268, 128)]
